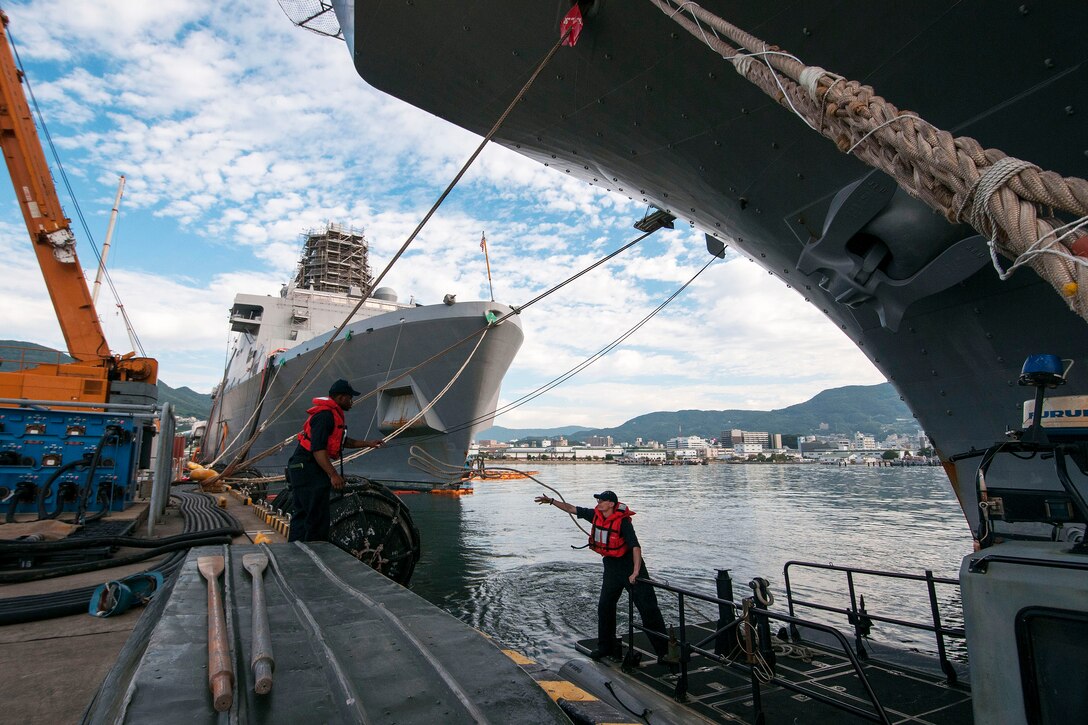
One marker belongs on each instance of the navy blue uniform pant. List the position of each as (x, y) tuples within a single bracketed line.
[(644, 596), (310, 491)]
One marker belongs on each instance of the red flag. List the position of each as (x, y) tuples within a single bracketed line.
[(572, 22), (483, 243)]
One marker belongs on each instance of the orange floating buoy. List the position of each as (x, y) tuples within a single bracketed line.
[(202, 474)]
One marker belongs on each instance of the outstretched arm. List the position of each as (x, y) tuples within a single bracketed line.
[(558, 504)]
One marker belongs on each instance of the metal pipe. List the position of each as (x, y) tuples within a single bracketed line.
[(682, 682), (946, 666), (870, 572), (160, 482), (109, 237), (947, 631), (80, 404)]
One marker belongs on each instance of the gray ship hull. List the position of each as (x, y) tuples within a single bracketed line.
[(641, 107), (371, 353)]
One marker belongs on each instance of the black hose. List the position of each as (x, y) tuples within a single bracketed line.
[(47, 547), (19, 494), (73, 601), (114, 433), (43, 492), (641, 715), (31, 575), (195, 508)]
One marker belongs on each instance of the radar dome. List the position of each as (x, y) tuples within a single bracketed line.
[(385, 293)]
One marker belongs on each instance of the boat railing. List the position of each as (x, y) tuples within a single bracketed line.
[(22, 357), (754, 615), (861, 618)]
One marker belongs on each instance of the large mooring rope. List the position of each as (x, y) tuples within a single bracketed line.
[(1011, 202)]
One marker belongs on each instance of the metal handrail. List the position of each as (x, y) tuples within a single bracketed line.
[(762, 616), (862, 619)]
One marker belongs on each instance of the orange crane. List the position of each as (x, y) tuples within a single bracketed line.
[(96, 370)]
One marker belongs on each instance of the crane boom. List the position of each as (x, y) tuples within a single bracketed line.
[(50, 231), (91, 377)]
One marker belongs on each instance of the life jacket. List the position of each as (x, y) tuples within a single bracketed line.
[(604, 537), (336, 438)]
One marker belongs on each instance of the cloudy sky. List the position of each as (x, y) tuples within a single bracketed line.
[(236, 131)]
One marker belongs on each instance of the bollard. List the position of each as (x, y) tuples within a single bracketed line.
[(725, 642)]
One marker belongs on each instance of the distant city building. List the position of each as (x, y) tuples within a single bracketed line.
[(745, 449), (643, 454), (735, 435), (864, 442), (693, 442), (599, 441)]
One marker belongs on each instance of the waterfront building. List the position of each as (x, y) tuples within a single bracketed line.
[(747, 449), (693, 442), (644, 455)]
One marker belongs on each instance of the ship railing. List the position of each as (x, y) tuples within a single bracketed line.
[(861, 618), (762, 664)]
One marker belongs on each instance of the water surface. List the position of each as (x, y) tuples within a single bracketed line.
[(506, 565)]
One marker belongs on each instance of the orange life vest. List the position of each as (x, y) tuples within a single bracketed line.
[(336, 438), (604, 537)]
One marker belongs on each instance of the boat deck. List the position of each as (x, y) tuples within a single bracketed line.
[(349, 646), (723, 693)]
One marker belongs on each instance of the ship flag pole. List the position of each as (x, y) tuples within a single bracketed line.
[(483, 246)]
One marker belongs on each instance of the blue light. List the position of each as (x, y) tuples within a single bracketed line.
[(1042, 371)]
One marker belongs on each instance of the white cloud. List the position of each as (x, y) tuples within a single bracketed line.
[(237, 132)]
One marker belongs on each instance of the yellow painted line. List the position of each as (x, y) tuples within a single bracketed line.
[(561, 689), (518, 657)]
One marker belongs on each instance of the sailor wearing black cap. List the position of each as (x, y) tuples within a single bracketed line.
[(310, 472), (613, 537)]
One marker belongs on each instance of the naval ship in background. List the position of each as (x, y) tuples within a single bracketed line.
[(387, 344), (643, 108)]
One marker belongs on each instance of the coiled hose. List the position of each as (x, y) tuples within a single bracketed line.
[(200, 515)]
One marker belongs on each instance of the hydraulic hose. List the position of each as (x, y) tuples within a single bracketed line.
[(48, 547), (200, 515), (19, 494), (43, 492), (114, 433), (30, 575)]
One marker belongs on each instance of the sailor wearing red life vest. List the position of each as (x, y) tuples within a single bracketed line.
[(310, 470), (613, 537)]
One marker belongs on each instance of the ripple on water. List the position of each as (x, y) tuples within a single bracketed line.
[(505, 565)]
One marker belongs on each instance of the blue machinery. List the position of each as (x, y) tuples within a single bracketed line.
[(72, 461)]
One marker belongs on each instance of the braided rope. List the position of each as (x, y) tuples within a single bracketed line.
[(953, 175)]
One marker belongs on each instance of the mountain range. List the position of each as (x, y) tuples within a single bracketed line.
[(873, 409), (187, 403)]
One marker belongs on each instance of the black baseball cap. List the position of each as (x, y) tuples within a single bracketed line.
[(342, 386), (606, 496)]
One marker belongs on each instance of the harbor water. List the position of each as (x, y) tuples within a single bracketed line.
[(507, 566)]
